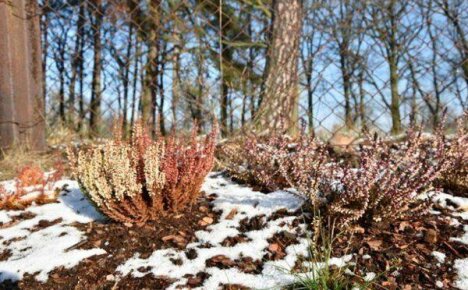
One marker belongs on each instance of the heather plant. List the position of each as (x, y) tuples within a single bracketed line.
[(32, 185), (255, 160), (142, 179), (277, 161), (385, 184), (455, 177), (303, 167)]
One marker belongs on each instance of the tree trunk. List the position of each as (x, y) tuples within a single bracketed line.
[(22, 117), (96, 94), (280, 96), (224, 108), (346, 77), (76, 60), (395, 102)]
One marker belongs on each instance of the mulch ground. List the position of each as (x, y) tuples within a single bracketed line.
[(399, 253), (121, 242)]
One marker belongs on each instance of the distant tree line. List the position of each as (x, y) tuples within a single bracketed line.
[(253, 64)]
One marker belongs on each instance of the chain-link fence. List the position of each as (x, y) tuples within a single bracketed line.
[(380, 65)]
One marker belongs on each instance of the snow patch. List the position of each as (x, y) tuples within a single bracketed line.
[(440, 257), (463, 239), (455, 203), (461, 266), (34, 250), (248, 204), (369, 276)]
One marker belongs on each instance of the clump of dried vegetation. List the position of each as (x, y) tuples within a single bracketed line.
[(275, 162), (20, 156), (142, 179), (382, 185), (387, 181), (32, 185), (455, 177)]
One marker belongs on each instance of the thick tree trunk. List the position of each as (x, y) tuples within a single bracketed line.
[(22, 117), (280, 96)]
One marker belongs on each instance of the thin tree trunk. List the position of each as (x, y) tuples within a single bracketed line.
[(76, 60), (126, 80), (60, 64), (135, 80), (346, 76), (96, 94), (175, 78), (162, 126), (362, 105), (395, 102)]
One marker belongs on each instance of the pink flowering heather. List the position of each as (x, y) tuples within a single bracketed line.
[(455, 177), (278, 161), (388, 179)]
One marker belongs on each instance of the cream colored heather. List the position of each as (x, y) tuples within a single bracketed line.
[(121, 175), (90, 164), (155, 178)]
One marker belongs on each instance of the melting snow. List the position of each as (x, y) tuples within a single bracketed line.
[(36, 250), (248, 204), (369, 276), (461, 266), (440, 257), (41, 250)]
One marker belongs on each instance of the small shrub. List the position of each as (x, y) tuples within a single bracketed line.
[(388, 179), (142, 179), (255, 160), (30, 175), (275, 162), (455, 177), (32, 185)]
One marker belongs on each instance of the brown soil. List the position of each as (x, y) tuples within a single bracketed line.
[(121, 242), (401, 252), (401, 255)]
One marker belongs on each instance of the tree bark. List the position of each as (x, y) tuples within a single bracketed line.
[(22, 117), (280, 96), (96, 94), (76, 63)]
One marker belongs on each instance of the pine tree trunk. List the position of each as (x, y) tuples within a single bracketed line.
[(280, 96)]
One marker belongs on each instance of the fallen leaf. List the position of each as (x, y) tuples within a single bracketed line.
[(177, 239), (430, 236), (231, 214), (375, 244), (206, 221), (359, 230), (274, 248)]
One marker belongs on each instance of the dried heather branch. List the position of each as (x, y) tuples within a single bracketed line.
[(257, 160), (302, 167), (278, 161)]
